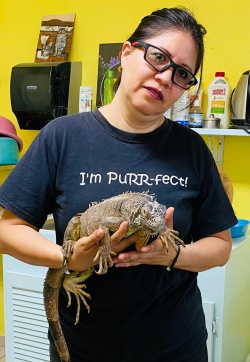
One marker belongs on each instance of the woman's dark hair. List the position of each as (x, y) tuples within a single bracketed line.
[(172, 19)]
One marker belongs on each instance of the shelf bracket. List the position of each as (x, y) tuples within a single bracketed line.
[(220, 150), (217, 148)]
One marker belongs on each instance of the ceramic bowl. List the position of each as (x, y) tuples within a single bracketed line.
[(8, 129), (8, 151), (240, 228)]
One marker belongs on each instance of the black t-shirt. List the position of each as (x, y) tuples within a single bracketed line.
[(141, 313)]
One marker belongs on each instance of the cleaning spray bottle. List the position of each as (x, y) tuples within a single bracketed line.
[(218, 99)]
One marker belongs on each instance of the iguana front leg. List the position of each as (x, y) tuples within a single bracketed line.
[(104, 253), (166, 235)]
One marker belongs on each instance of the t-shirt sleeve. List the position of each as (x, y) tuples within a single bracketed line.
[(28, 191), (212, 211)]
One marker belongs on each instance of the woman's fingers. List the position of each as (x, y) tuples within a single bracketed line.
[(120, 233), (169, 218)]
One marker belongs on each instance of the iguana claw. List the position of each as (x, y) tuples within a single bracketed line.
[(170, 235), (105, 262)]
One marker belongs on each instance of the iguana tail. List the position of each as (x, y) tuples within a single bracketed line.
[(52, 284)]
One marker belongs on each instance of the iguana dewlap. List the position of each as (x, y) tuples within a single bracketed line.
[(145, 217)]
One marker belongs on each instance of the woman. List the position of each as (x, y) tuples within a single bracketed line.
[(139, 310)]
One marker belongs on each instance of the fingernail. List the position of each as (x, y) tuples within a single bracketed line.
[(100, 233)]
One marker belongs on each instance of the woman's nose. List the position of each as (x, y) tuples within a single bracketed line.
[(165, 77)]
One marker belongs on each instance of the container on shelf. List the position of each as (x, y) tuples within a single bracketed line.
[(211, 122), (8, 151), (180, 109), (85, 99), (240, 228), (195, 115), (219, 98), (108, 92)]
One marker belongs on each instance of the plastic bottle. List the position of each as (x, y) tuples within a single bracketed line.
[(218, 99), (195, 115), (109, 82), (180, 110), (85, 99), (168, 113)]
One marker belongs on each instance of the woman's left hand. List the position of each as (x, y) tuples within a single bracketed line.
[(154, 253)]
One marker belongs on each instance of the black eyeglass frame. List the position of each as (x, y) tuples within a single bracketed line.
[(172, 64)]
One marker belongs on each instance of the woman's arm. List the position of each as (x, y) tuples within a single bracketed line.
[(204, 254), (23, 241)]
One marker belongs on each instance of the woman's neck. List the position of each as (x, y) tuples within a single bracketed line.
[(131, 121)]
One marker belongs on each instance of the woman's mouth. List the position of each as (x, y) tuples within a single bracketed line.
[(155, 93)]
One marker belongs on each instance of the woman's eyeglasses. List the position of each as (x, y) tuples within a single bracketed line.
[(160, 61)]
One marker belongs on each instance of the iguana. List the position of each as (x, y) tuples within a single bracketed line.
[(145, 217)]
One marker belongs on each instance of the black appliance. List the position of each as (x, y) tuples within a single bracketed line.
[(40, 92), (240, 103)]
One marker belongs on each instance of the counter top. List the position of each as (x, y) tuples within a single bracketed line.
[(241, 239)]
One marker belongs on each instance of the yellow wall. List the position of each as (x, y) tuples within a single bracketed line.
[(97, 21)]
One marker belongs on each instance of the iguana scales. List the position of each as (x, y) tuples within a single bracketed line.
[(145, 217)]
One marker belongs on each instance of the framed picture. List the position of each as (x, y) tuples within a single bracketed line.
[(109, 59), (55, 38)]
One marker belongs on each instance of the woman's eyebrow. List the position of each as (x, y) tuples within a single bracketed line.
[(170, 56)]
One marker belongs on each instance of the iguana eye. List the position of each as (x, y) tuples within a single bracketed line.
[(144, 211)]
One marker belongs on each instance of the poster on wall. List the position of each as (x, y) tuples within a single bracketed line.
[(109, 59), (55, 38)]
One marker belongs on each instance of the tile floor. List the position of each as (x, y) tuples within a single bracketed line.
[(2, 353)]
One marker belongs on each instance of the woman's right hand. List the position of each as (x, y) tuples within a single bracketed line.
[(86, 248)]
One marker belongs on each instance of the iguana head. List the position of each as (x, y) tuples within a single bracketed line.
[(143, 211)]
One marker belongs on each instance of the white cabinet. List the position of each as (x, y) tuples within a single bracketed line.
[(228, 287), (26, 325)]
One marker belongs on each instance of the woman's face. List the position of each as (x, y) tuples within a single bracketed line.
[(150, 92)]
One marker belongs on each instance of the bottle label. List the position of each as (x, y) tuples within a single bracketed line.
[(85, 100), (219, 91), (195, 120), (218, 106), (180, 109), (183, 122)]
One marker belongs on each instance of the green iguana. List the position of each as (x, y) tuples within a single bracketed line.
[(145, 217)]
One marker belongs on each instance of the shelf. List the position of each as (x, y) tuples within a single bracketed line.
[(6, 167), (222, 132)]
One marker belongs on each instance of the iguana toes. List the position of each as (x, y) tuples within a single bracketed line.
[(145, 217)]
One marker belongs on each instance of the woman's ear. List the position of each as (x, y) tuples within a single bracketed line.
[(126, 51)]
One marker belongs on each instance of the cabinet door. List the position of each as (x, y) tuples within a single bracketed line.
[(209, 315), (26, 325)]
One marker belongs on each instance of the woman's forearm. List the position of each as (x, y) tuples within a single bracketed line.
[(202, 255), (205, 253), (28, 245)]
